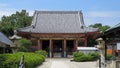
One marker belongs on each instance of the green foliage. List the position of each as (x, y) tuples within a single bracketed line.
[(95, 55), (109, 56), (77, 54), (80, 57), (42, 52), (24, 45), (31, 60), (100, 26), (14, 21), (84, 58), (91, 42)]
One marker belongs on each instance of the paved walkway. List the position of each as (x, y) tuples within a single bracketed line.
[(66, 63)]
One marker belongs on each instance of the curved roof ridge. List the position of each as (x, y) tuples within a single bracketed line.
[(90, 29), (57, 11)]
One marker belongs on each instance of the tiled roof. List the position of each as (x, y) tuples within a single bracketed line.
[(4, 39), (116, 26), (57, 22)]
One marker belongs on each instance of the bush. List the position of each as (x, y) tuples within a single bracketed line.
[(42, 52), (31, 60), (79, 56), (109, 56), (24, 45), (76, 56), (95, 55), (84, 58)]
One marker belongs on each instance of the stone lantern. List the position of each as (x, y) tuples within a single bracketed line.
[(101, 47), (14, 38)]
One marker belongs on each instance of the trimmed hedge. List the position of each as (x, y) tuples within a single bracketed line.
[(80, 57), (109, 56), (31, 60), (42, 52)]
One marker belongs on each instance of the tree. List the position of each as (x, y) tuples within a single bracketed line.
[(24, 45), (92, 42), (18, 20), (100, 26)]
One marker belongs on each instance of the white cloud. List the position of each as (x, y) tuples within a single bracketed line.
[(103, 14), (105, 17), (30, 12), (8, 12)]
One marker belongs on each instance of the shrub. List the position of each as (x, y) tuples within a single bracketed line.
[(79, 56), (24, 45), (76, 56), (95, 55), (84, 58), (31, 60), (10, 61), (42, 52), (109, 56), (89, 58)]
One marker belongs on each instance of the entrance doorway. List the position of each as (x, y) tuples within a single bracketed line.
[(70, 47), (57, 48), (45, 45)]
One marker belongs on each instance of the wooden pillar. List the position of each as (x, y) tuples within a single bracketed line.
[(85, 42), (39, 44), (64, 47), (50, 48), (76, 45)]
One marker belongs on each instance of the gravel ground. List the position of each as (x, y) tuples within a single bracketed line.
[(66, 63)]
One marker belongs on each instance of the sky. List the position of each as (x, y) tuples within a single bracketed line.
[(106, 12)]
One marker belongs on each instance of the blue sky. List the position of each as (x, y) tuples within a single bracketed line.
[(106, 12)]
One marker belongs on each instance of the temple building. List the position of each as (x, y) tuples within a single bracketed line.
[(58, 32), (5, 44)]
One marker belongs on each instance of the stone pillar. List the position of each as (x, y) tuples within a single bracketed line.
[(64, 47), (113, 52), (101, 47), (113, 56), (39, 44), (50, 48)]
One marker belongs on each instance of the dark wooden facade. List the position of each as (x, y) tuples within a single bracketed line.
[(111, 38), (66, 49)]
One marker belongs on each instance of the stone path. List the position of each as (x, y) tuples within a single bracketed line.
[(59, 64), (66, 63)]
